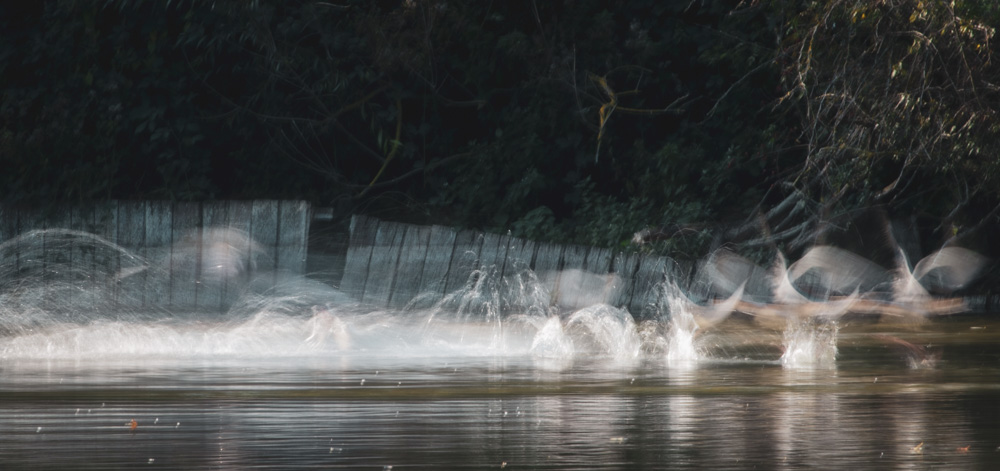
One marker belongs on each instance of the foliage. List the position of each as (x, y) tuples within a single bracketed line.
[(574, 121), (895, 105)]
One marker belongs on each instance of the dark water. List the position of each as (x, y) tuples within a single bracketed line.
[(466, 404)]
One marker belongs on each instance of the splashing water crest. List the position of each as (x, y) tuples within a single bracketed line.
[(681, 343), (682, 327), (50, 310), (810, 344)]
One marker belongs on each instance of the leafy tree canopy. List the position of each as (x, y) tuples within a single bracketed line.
[(576, 120)]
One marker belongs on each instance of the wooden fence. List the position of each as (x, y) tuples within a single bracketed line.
[(179, 256), (389, 264)]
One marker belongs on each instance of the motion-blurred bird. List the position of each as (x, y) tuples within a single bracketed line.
[(916, 356), (945, 271)]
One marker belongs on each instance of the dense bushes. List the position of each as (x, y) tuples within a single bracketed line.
[(560, 120)]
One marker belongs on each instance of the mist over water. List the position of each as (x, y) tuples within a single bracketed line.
[(56, 310), (71, 317), (508, 367)]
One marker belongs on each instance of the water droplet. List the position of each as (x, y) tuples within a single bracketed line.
[(362, 382), (151, 460), (39, 430)]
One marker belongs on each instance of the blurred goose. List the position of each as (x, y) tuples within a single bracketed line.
[(707, 316), (946, 270), (838, 270), (917, 356), (790, 303)]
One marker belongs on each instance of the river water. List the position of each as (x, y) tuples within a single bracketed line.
[(505, 372), (342, 386)]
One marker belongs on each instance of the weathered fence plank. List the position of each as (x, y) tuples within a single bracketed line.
[(398, 262), (408, 277), (154, 254), (131, 232), (440, 248), (292, 236), (464, 259), (184, 255), (359, 252), (382, 267)]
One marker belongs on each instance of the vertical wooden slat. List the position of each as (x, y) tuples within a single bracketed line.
[(108, 245), (264, 230), (31, 250), (464, 259), (218, 255), (384, 259), (504, 265), (131, 230), (574, 257), (598, 260), (184, 255), (157, 252), (58, 255), (440, 245), (359, 252), (106, 262), (647, 283), (409, 271), (547, 258), (491, 253), (81, 219), (519, 255), (5, 232), (625, 266), (293, 236), (10, 247), (240, 214)]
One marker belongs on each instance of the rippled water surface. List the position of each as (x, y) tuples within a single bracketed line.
[(375, 391)]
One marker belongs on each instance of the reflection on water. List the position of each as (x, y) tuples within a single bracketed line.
[(448, 397), (493, 376)]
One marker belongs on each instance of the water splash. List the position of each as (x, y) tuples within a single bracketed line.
[(605, 331), (56, 276), (54, 308), (809, 344), (551, 341), (681, 349), (682, 327)]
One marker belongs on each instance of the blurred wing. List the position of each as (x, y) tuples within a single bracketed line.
[(707, 316), (784, 291), (728, 270), (953, 267), (841, 270)]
